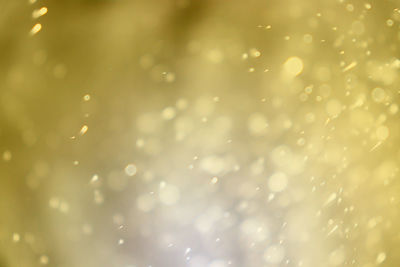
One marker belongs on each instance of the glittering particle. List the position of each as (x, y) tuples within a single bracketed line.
[(277, 182), (255, 53), (86, 97), (130, 169), (83, 130), (243, 145), (330, 199), (334, 228), (380, 258), (293, 66), (36, 29), (39, 12), (350, 66), (214, 180), (94, 179), (376, 146), (308, 89)]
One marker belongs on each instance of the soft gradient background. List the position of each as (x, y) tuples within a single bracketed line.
[(202, 133)]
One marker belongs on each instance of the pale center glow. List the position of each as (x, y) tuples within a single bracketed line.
[(277, 182), (169, 194), (293, 66)]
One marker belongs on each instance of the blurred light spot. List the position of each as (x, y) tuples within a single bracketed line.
[(215, 56), (86, 97), (274, 254), (168, 113), (130, 169), (36, 29), (181, 104), (218, 263), (257, 124), (83, 130), (254, 230), (350, 66), (169, 194), (333, 108), (145, 202), (380, 258), (358, 27), (337, 257), (16, 237), (7, 156), (293, 66), (44, 260), (277, 182), (169, 77), (39, 12), (255, 53), (378, 94), (214, 180), (382, 132)]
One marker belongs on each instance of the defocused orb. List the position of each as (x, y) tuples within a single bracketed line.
[(274, 254), (277, 182), (169, 194), (293, 66)]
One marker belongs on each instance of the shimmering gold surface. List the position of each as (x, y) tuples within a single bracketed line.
[(199, 133)]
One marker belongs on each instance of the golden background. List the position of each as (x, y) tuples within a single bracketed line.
[(199, 133)]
